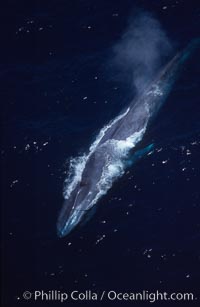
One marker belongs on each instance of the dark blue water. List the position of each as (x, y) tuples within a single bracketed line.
[(145, 234)]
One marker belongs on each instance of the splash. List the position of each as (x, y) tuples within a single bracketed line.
[(113, 168)]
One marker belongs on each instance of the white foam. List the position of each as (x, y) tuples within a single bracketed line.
[(76, 168), (155, 91), (115, 166), (104, 129), (116, 151), (77, 164)]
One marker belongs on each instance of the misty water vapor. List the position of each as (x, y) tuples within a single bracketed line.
[(142, 49)]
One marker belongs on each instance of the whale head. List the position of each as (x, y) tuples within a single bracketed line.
[(74, 208)]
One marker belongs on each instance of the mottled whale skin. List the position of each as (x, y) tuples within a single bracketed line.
[(124, 132)]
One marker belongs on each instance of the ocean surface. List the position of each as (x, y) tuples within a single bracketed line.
[(60, 87)]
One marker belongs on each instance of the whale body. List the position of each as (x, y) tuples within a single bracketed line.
[(94, 173)]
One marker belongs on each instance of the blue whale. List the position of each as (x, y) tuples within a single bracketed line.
[(92, 174)]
